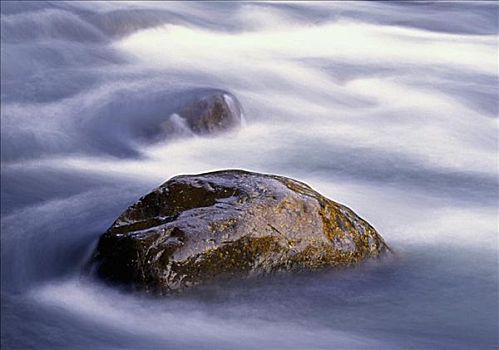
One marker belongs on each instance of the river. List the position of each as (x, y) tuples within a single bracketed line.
[(387, 107)]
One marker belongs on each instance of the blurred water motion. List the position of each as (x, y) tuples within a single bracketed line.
[(389, 108)]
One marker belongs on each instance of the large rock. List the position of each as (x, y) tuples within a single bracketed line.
[(195, 228)]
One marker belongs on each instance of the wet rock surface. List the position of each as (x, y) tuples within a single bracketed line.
[(196, 228)]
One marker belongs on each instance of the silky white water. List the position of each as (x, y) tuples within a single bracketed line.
[(389, 108)]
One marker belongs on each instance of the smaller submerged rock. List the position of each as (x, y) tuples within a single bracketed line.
[(205, 115), (195, 228), (130, 119), (213, 113)]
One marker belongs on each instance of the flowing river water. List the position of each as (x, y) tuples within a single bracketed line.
[(390, 108)]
